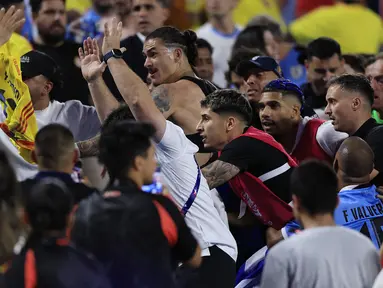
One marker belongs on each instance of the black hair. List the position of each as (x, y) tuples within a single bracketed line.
[(315, 184), (48, 205), (229, 101), (120, 114), (9, 184), (252, 37), (172, 36), (355, 61), (202, 43), (354, 83), (269, 22), (120, 143), (7, 3), (36, 5), (53, 142), (323, 48), (239, 55)]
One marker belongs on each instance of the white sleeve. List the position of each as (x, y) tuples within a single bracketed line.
[(173, 144), (84, 118), (329, 139)]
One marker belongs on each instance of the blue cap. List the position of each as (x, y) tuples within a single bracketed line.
[(260, 63), (285, 85)]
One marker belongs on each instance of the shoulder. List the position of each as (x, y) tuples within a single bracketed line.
[(205, 28)]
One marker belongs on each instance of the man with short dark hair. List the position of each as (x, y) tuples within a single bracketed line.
[(280, 110), (324, 61), (204, 66), (323, 255), (49, 17), (349, 101), (56, 155), (251, 161)]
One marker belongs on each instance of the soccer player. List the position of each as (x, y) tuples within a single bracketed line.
[(280, 111)]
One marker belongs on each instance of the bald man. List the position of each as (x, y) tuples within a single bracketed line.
[(358, 207)]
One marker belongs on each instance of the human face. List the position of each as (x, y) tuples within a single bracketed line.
[(256, 82), (39, 87), (276, 114), (374, 72), (150, 15), (320, 71), (204, 66), (271, 46), (160, 61), (340, 109), (213, 129), (123, 7), (103, 6), (51, 21), (219, 8), (149, 166), (238, 82)]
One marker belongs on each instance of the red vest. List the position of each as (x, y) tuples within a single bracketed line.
[(308, 146), (261, 201)]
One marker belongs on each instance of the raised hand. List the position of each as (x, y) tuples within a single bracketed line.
[(91, 65), (10, 20), (112, 36)]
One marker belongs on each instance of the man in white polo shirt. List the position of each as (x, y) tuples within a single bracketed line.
[(43, 78), (182, 175)]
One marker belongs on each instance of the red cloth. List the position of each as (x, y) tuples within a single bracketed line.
[(305, 6)]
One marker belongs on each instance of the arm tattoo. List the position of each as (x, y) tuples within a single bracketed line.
[(219, 172), (161, 98), (89, 148)]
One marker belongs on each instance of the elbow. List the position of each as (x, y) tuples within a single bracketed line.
[(196, 260)]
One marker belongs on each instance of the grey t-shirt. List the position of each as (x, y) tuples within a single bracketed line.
[(322, 257)]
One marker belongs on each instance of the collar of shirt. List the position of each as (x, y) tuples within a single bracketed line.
[(357, 186), (141, 37), (349, 187), (363, 131)]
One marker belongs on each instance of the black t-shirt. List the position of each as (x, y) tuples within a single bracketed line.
[(372, 133), (66, 56), (258, 158), (312, 100)]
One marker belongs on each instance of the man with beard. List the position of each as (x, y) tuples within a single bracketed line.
[(324, 61), (303, 137), (349, 101), (50, 19), (374, 73)]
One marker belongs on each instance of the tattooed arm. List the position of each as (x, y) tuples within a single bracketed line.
[(89, 148), (163, 99), (219, 172)]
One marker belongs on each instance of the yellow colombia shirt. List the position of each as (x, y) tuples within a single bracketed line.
[(356, 28), (18, 45), (247, 9)]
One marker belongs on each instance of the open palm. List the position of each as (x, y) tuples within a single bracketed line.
[(91, 65)]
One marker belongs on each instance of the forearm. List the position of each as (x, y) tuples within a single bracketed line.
[(103, 99), (89, 148)]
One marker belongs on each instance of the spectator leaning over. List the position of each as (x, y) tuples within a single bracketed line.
[(47, 259), (280, 110), (49, 17), (323, 255), (174, 152), (43, 77), (56, 155), (204, 64), (141, 237), (374, 73), (324, 61), (346, 22), (349, 101), (221, 31)]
